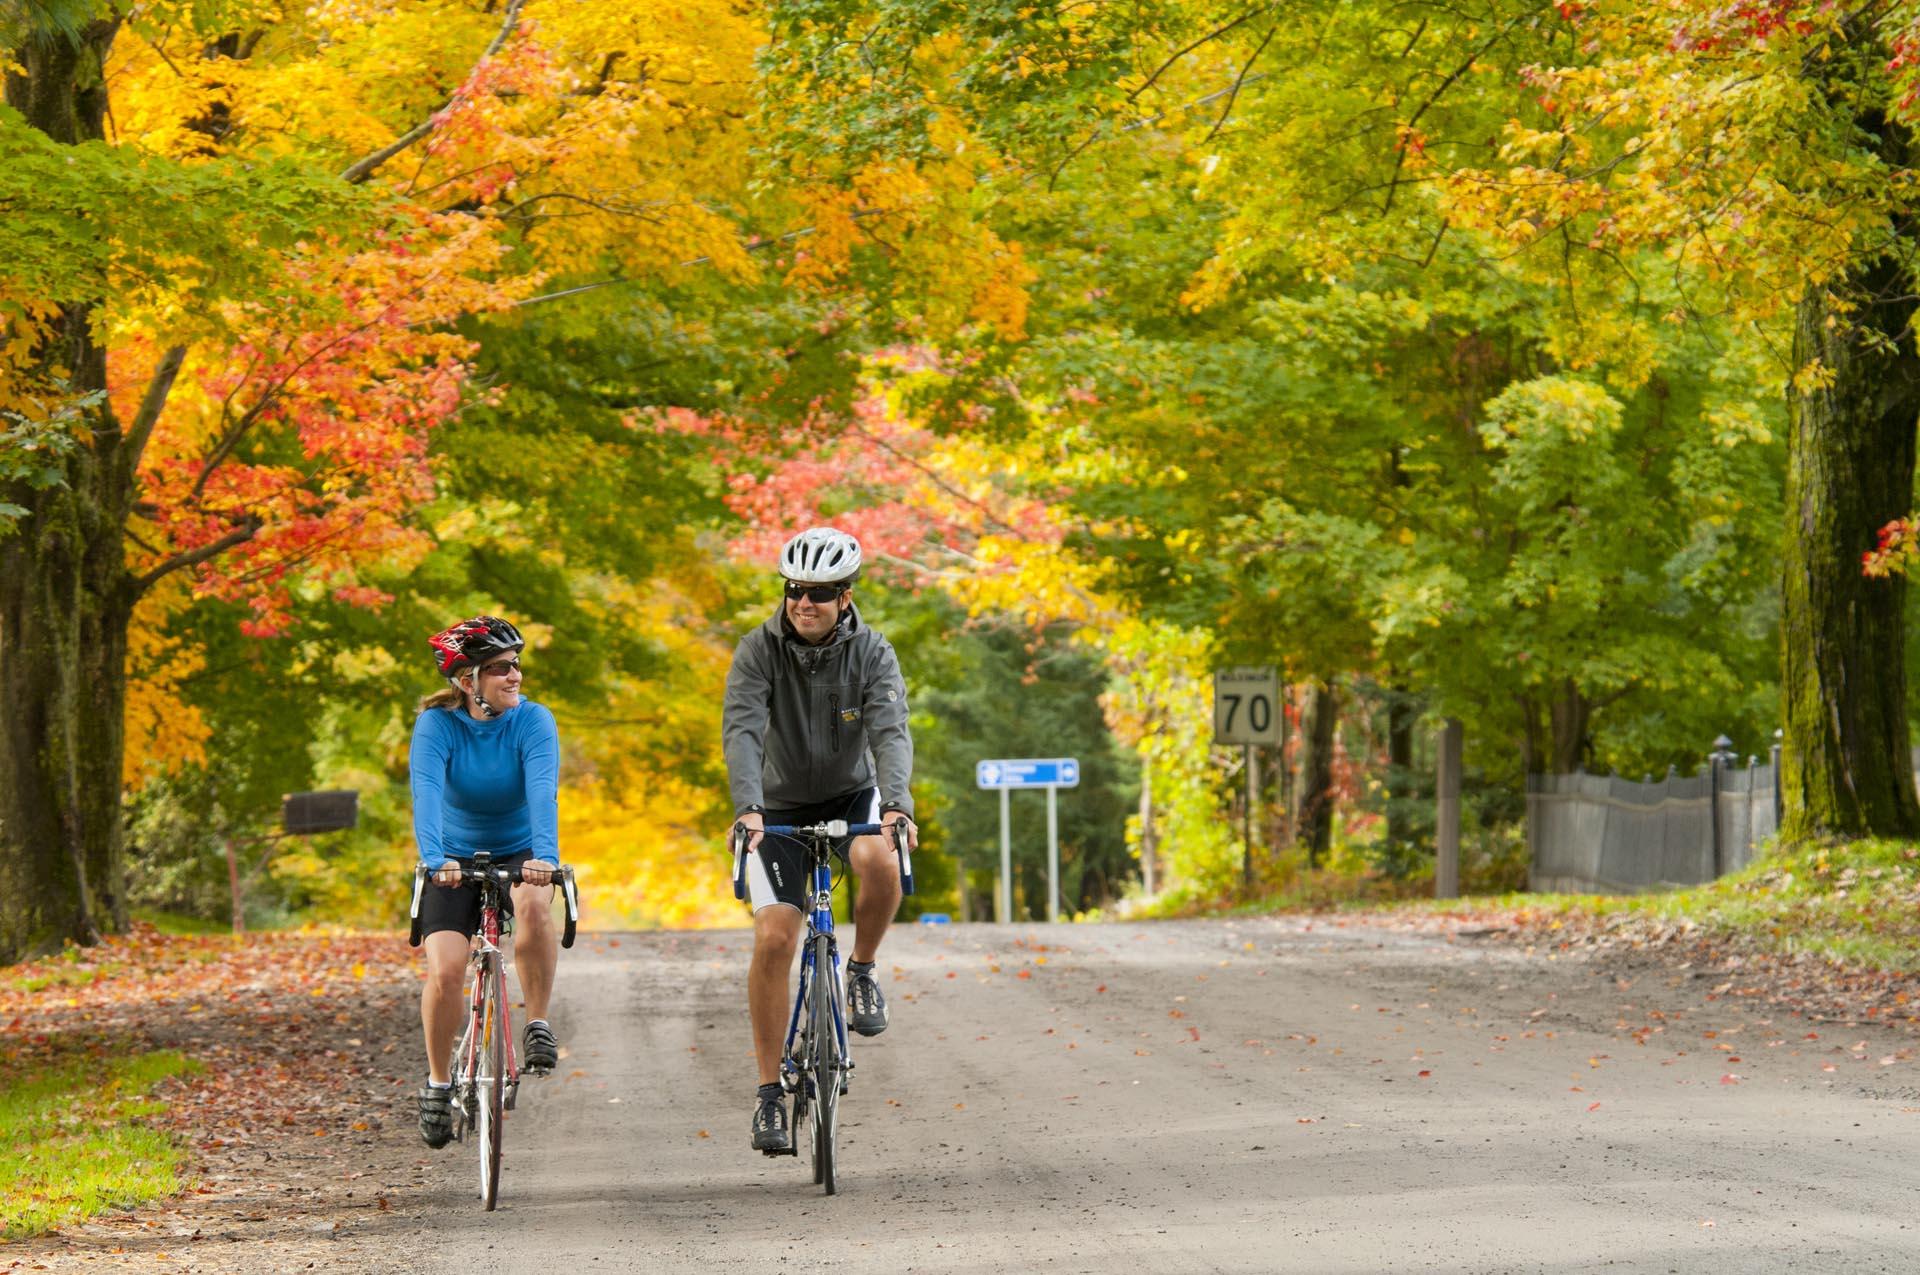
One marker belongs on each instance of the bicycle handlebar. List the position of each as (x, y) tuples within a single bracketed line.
[(832, 830), (562, 877)]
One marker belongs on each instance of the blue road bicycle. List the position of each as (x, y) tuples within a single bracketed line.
[(814, 1066)]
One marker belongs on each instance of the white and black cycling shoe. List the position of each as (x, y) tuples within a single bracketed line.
[(866, 1007), (770, 1132), (540, 1051)]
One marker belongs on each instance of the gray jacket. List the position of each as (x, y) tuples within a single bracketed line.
[(805, 723)]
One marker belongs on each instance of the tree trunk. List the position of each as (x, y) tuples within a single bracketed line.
[(1401, 712), (1315, 821), (1570, 712), (65, 602), (1850, 466)]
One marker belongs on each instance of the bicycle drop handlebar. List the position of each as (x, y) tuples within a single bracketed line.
[(831, 830), (562, 877)]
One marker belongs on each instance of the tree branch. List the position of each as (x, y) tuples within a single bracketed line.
[(1238, 80), (1215, 34), (362, 169), (192, 557), (1400, 159), (152, 403)]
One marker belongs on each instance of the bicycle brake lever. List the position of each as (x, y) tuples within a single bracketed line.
[(413, 911), (739, 862)]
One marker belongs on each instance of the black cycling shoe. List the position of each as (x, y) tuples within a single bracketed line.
[(867, 1008), (540, 1052), (436, 1116), (770, 1133)]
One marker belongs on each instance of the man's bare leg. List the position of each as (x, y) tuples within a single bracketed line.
[(879, 874), (776, 937)]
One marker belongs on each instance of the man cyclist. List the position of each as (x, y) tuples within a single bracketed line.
[(486, 776), (815, 728)]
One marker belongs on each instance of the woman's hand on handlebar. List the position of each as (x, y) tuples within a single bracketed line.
[(448, 873), (537, 872)]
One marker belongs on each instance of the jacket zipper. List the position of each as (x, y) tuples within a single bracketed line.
[(833, 721)]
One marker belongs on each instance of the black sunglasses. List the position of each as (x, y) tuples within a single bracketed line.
[(813, 592), (500, 668)]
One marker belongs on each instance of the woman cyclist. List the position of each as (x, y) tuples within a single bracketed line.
[(486, 776)]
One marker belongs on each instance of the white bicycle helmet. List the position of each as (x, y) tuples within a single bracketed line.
[(821, 555)]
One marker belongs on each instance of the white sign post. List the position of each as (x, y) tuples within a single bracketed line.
[(1053, 774), (1246, 711)]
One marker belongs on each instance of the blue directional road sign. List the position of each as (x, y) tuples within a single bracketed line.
[(1028, 772)]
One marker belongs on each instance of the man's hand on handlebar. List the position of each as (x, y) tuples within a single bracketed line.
[(913, 829), (754, 822)]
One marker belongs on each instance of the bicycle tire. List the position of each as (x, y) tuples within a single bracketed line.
[(492, 1078), (826, 1066)]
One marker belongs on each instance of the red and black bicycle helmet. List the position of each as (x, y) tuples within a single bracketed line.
[(472, 642)]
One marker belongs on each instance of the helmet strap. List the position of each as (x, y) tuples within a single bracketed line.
[(487, 711)]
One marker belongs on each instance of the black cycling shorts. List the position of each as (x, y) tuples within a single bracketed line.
[(457, 907), (777, 871)]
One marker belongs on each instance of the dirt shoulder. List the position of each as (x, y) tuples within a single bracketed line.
[(299, 1124)]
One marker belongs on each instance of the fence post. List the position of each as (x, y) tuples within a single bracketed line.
[(1717, 762), (1779, 800), (1446, 867)]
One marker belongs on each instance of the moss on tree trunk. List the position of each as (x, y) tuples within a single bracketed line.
[(1845, 767), (65, 601)]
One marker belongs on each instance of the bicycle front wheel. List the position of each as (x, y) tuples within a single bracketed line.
[(825, 995), (492, 1078)]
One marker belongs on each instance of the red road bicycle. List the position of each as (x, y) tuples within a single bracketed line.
[(486, 1071)]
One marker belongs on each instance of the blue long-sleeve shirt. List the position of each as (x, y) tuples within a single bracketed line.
[(492, 785)]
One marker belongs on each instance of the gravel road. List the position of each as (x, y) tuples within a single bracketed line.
[(1260, 1095)]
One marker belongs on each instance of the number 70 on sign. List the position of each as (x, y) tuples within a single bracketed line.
[(1246, 706)]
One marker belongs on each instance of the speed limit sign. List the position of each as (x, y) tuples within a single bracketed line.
[(1246, 706)]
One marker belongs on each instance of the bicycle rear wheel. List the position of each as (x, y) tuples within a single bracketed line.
[(492, 1078), (826, 1064)]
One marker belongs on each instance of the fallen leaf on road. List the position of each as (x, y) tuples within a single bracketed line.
[(1593, 1106), (1729, 1079)]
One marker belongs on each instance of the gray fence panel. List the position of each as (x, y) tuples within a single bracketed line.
[(1602, 834), (1606, 834)]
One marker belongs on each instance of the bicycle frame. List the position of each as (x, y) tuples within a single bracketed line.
[(486, 1063), (487, 939), (819, 921)]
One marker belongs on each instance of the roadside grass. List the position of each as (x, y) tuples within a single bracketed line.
[(65, 971), (180, 922), (1286, 884), (74, 1140), (1856, 903)]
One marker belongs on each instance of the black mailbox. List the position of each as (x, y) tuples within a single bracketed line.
[(304, 813)]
